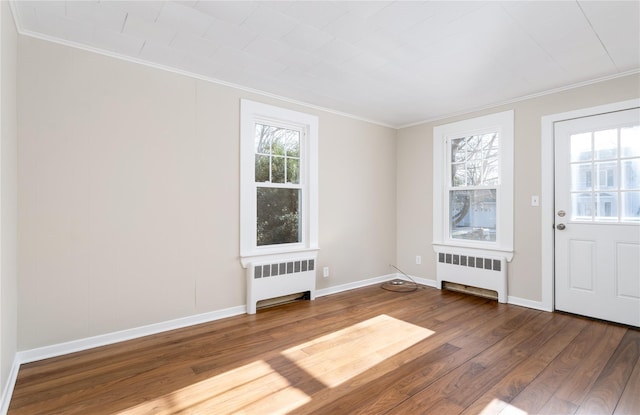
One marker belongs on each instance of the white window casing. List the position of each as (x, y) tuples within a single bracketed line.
[(252, 112), (503, 124)]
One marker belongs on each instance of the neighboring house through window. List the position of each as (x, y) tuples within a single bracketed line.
[(473, 184), (612, 157), (279, 194)]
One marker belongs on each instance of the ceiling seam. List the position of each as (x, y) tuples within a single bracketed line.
[(596, 35)]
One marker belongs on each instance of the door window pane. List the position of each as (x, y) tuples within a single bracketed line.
[(581, 206), (581, 176), (605, 144), (631, 206), (278, 216), (630, 174), (607, 175), (581, 147), (473, 214), (606, 206), (630, 141)]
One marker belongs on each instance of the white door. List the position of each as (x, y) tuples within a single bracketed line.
[(597, 216)]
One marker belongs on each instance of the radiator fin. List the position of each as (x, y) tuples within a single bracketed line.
[(282, 268)]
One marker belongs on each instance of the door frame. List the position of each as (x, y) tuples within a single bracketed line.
[(547, 198)]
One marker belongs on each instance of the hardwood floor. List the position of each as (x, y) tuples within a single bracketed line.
[(365, 351)]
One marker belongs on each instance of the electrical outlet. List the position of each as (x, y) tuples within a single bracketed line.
[(325, 272), (418, 260)]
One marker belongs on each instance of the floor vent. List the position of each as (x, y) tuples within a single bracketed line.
[(285, 299), (481, 272), (467, 289), (278, 280)]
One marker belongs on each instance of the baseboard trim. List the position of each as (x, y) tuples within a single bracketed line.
[(5, 399), (73, 346), (371, 281), (353, 285), (523, 302), (427, 282)]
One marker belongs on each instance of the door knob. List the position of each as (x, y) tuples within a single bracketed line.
[(560, 227)]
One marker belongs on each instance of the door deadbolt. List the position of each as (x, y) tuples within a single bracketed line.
[(561, 213)]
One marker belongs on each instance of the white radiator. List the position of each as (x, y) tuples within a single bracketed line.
[(481, 271), (271, 280)]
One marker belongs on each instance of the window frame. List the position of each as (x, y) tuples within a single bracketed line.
[(503, 123), (252, 113)]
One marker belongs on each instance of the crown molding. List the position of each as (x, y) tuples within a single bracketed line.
[(266, 94), (524, 98), (25, 32)]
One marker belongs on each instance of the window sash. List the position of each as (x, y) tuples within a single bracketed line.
[(301, 186)]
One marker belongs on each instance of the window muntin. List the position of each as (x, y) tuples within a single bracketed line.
[(605, 175)]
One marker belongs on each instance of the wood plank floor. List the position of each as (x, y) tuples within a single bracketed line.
[(365, 351)]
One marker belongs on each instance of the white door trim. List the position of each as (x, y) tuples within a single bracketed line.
[(547, 190)]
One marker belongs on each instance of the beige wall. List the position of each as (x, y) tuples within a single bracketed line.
[(8, 194), (129, 195), (414, 186)]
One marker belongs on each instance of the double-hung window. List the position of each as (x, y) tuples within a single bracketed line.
[(278, 181), (473, 184)]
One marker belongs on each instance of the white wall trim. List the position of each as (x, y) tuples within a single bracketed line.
[(73, 346), (425, 281), (503, 124), (7, 392), (252, 113), (353, 285), (372, 281), (523, 98), (470, 110), (524, 302), (547, 189)]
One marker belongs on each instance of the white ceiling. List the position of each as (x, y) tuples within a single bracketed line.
[(392, 62)]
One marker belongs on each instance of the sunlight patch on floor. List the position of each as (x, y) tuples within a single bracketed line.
[(497, 406), (289, 380), (226, 393), (344, 354)]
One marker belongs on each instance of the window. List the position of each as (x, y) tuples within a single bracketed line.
[(612, 157), (278, 180), (473, 183)]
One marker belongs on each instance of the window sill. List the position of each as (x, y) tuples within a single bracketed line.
[(280, 255), (474, 250)]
